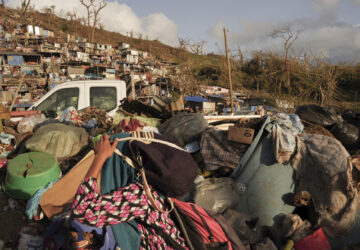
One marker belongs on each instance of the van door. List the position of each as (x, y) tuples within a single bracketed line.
[(62, 98), (103, 96)]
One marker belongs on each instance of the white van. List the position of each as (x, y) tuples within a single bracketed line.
[(103, 94)]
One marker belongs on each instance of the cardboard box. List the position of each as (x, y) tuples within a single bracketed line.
[(242, 135)]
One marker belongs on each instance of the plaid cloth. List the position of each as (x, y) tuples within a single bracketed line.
[(218, 152)]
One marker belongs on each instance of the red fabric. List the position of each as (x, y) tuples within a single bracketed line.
[(216, 229), (131, 125), (148, 78), (315, 241), (24, 113)]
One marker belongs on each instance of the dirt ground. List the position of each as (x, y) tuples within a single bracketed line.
[(11, 220)]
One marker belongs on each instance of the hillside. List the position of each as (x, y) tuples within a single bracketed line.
[(62, 27), (263, 75)]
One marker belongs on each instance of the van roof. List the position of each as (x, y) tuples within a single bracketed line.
[(91, 81)]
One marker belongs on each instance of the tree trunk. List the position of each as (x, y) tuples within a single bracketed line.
[(26, 5), (93, 31), (88, 28), (257, 85), (287, 81)]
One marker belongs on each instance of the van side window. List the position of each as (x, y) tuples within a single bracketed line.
[(103, 97), (60, 100)]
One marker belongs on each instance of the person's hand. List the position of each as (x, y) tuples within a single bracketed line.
[(104, 149)]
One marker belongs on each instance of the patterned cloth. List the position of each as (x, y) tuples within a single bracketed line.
[(158, 231), (218, 152)]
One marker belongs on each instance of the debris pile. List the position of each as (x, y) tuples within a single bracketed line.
[(285, 181)]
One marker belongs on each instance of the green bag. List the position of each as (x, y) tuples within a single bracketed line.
[(59, 140)]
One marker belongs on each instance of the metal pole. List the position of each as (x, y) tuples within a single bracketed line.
[(229, 71), (133, 96)]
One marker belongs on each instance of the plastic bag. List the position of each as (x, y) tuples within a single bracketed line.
[(59, 140), (27, 124), (247, 228), (352, 117), (218, 194), (318, 115), (184, 128), (347, 134)]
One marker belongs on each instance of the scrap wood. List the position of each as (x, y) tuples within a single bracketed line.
[(249, 123), (17, 91)]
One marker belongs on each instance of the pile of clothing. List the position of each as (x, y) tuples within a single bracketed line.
[(278, 182)]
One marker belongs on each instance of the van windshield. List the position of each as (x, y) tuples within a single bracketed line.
[(60, 100)]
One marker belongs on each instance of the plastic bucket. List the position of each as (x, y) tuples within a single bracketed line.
[(27, 173)]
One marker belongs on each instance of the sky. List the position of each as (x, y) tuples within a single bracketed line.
[(330, 28)]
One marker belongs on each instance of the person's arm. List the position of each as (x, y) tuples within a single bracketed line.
[(103, 150)]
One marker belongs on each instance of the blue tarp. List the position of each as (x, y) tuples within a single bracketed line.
[(195, 99), (15, 60), (266, 181)]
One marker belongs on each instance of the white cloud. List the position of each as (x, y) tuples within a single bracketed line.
[(340, 42), (158, 26), (217, 30), (118, 17), (326, 35), (325, 3)]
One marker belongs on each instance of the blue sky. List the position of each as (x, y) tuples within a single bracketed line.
[(336, 20), (329, 27)]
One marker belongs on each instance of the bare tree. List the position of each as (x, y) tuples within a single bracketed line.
[(198, 48), (240, 55), (74, 14), (49, 11), (24, 6), (88, 5), (289, 36), (184, 43), (75, 18), (96, 18), (3, 3), (82, 21), (69, 16), (101, 26), (52, 12), (93, 11), (325, 77)]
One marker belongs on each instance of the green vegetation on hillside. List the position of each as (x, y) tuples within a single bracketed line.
[(309, 79)]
